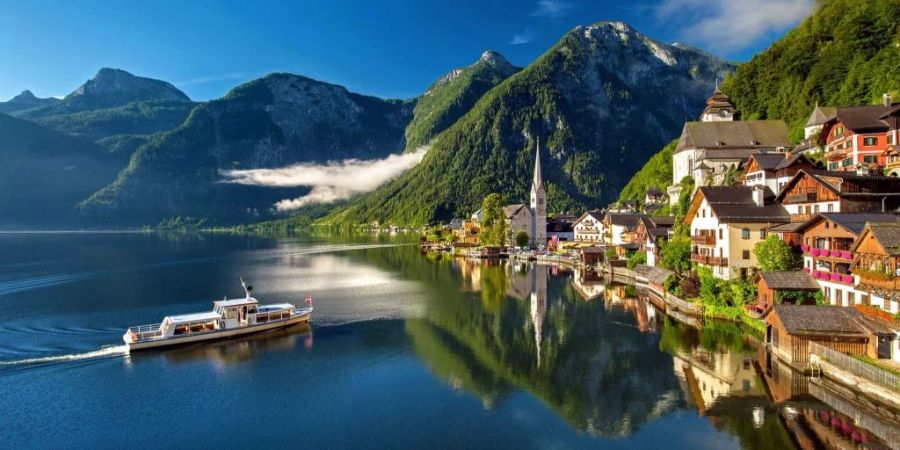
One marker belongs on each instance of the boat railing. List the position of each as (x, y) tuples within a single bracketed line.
[(146, 332)]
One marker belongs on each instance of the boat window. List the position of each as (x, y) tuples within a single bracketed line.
[(252, 310), (230, 313), (181, 329)]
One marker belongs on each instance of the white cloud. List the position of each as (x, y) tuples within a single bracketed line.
[(732, 24), (522, 38), (330, 182), (551, 8), (212, 78)]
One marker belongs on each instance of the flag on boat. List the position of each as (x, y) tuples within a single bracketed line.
[(309, 300)]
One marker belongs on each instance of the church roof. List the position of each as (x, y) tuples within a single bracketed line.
[(820, 115), (749, 134), (511, 211), (538, 180)]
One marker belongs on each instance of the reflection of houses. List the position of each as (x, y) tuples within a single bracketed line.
[(790, 329), (711, 376), (588, 284), (726, 223), (538, 308)]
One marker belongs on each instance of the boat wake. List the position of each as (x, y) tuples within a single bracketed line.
[(104, 352)]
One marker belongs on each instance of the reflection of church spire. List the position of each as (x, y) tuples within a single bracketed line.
[(538, 307)]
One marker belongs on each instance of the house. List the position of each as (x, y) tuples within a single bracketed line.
[(812, 192), (774, 170), (709, 149), (464, 231), (859, 135), (827, 240), (591, 255), (790, 329), (892, 161), (650, 233), (653, 197), (619, 227), (588, 227), (726, 223), (876, 264), (772, 285), (560, 228)]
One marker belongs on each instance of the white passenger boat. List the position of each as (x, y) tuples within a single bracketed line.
[(228, 318)]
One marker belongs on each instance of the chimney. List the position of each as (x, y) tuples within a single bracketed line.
[(759, 194), (886, 99)]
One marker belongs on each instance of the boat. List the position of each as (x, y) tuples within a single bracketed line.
[(228, 318)]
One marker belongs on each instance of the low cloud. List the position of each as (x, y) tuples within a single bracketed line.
[(551, 8), (522, 38), (732, 25), (329, 182)]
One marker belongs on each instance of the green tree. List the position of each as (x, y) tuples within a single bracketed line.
[(676, 254), (773, 254), (522, 238), (493, 221), (637, 259)]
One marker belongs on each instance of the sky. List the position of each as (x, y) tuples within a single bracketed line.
[(391, 49)]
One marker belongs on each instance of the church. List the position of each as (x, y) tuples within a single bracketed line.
[(532, 218)]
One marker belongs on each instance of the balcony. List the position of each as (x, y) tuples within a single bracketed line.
[(833, 277), (836, 155), (879, 282), (801, 217), (839, 255), (704, 239), (803, 197), (718, 261), (699, 259)]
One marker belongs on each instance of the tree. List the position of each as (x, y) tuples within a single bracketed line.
[(773, 254), (676, 254), (493, 222), (637, 259), (522, 238)]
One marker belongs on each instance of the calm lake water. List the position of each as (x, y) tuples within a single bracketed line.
[(404, 351)]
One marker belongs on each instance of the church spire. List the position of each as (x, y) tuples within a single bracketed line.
[(538, 180)]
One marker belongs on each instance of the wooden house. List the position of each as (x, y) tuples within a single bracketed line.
[(771, 284), (790, 329), (812, 192), (877, 263)]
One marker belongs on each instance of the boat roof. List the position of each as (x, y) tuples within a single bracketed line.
[(236, 302), (195, 317), (278, 305)]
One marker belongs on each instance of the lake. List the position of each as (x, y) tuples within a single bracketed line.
[(404, 351)]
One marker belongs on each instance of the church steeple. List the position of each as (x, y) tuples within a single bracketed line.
[(538, 181)]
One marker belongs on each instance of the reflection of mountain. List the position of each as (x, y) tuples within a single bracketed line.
[(594, 367)]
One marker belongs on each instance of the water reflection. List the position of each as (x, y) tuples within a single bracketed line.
[(608, 361)]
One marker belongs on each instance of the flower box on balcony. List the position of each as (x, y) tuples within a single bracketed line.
[(806, 269), (805, 248), (815, 273), (833, 253), (847, 255), (847, 279), (815, 252), (835, 277)]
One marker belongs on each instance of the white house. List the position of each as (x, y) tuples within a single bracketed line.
[(589, 227)]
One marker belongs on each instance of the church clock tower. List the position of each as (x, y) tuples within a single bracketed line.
[(538, 232)]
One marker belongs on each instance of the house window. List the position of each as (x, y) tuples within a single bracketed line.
[(870, 159), (816, 208), (826, 225), (745, 254), (830, 207), (745, 233), (762, 234), (870, 141), (833, 165), (720, 233), (848, 162)]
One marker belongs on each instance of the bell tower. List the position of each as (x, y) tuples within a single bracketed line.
[(538, 232)]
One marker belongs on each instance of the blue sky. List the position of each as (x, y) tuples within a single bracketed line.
[(385, 48)]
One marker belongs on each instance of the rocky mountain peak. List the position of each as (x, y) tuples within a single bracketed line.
[(110, 87), (495, 59), (25, 95)]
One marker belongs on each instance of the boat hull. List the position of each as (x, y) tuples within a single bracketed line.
[(215, 335)]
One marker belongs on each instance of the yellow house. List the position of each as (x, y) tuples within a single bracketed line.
[(726, 223)]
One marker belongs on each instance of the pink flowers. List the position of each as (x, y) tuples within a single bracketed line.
[(805, 248), (815, 252), (847, 279)]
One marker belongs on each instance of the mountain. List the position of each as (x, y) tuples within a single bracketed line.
[(601, 101), (275, 121), (809, 65), (846, 53), (46, 173), (453, 95), (656, 173), (24, 101), (115, 102)]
